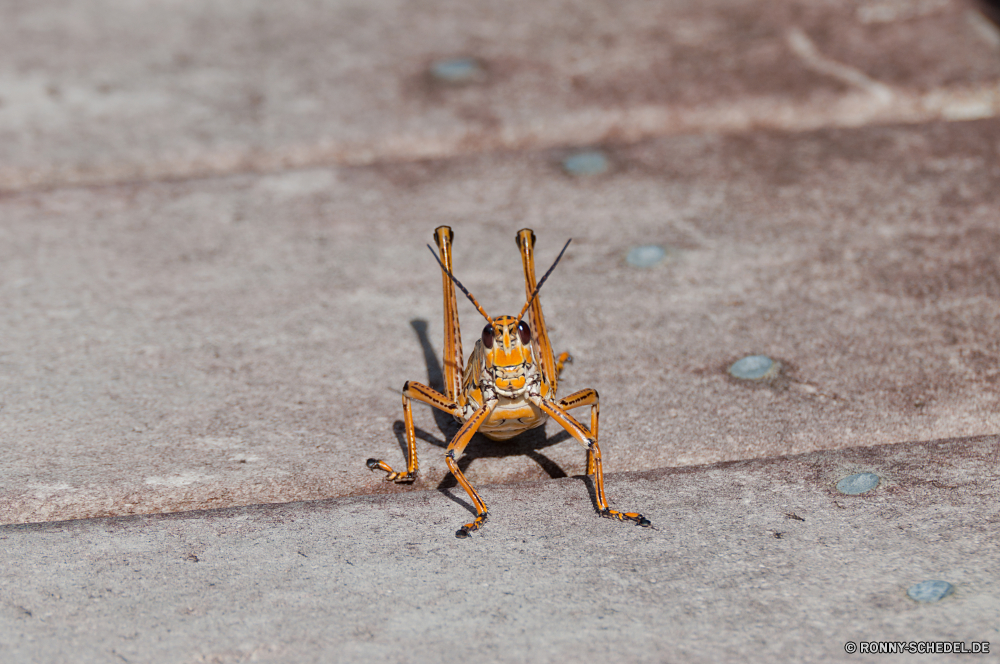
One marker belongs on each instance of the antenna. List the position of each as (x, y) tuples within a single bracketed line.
[(462, 288), (534, 294)]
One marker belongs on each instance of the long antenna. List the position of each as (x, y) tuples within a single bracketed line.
[(461, 287), (534, 293)]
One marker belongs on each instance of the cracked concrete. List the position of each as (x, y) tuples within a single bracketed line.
[(748, 561)]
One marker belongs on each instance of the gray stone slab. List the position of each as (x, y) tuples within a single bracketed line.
[(242, 340), (754, 561), (116, 90)]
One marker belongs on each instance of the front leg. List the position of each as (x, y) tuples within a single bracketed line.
[(563, 359), (457, 446), (584, 437)]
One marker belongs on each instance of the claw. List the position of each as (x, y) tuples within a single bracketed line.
[(378, 464), (402, 478), (392, 476), (639, 519), (468, 528)]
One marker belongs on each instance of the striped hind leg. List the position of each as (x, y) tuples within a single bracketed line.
[(525, 239), (452, 357)]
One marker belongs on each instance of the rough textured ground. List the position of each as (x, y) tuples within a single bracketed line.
[(754, 561), (117, 90), (213, 283), (241, 340)]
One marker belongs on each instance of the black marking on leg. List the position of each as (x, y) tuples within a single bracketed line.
[(644, 522), (372, 464)]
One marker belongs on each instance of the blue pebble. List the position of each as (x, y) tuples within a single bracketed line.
[(647, 255), (930, 591), (590, 162), (457, 70), (858, 483), (753, 367)]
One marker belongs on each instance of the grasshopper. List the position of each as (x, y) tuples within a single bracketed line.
[(507, 387)]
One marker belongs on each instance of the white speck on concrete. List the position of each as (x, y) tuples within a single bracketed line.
[(180, 479)]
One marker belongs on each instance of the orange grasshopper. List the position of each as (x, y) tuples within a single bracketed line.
[(509, 385)]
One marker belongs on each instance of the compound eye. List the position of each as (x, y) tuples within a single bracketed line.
[(488, 336), (524, 332)]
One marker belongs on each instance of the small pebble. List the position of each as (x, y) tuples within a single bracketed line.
[(754, 367), (589, 162), (930, 591), (457, 70), (647, 255), (859, 483)]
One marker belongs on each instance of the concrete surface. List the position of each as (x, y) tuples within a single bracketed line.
[(752, 561), (213, 285), (172, 346), (116, 90)]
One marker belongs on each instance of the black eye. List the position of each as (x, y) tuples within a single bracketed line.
[(524, 332), (488, 336)]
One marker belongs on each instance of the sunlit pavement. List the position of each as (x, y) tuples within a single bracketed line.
[(215, 284)]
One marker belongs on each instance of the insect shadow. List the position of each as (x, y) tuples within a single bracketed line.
[(526, 444)]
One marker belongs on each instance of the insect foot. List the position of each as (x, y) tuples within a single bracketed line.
[(392, 476), (464, 531), (639, 519)]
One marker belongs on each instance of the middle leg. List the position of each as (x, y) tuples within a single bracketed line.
[(580, 433), (430, 397), (587, 397)]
